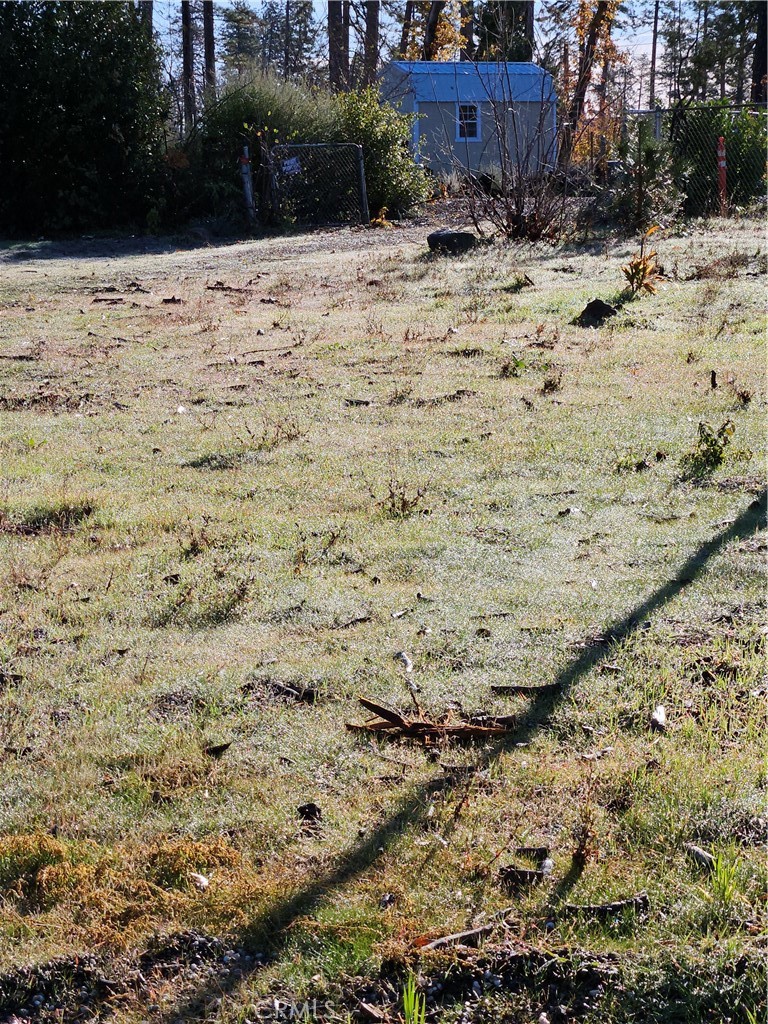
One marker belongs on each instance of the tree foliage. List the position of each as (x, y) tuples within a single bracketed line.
[(272, 38), (262, 110), (707, 49), (82, 117), (745, 143), (240, 38), (394, 182), (258, 110), (505, 31)]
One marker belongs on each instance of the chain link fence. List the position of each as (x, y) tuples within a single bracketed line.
[(320, 183), (684, 139)]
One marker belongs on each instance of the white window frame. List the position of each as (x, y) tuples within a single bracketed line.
[(468, 138)]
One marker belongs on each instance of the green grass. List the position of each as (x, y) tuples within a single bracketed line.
[(210, 506)]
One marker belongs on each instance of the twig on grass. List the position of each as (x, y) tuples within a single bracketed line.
[(428, 731)]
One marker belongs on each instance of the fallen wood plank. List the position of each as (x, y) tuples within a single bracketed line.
[(372, 725), (455, 396), (433, 730), (492, 615), (519, 878), (463, 729), (373, 1012), (390, 716), (504, 721), (281, 348), (471, 935), (219, 286)]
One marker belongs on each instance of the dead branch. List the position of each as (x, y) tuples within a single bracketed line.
[(428, 731), (638, 902), (468, 938)]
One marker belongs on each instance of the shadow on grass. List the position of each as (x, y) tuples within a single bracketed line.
[(270, 929), (96, 247), (191, 239)]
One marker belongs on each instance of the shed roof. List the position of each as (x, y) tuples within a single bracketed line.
[(450, 81)]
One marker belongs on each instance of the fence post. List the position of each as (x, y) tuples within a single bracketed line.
[(721, 177), (657, 122), (245, 170), (364, 211)]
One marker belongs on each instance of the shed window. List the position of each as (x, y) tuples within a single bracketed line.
[(468, 122)]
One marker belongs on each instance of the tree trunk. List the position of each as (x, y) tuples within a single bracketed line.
[(345, 19), (405, 35), (187, 69), (371, 42), (603, 88), (566, 73), (759, 92), (209, 48), (467, 51), (287, 41), (605, 76), (528, 30), (336, 70), (704, 39), (741, 48), (583, 80), (654, 47), (145, 10), (430, 31)]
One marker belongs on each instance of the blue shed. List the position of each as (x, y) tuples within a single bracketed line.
[(473, 116)]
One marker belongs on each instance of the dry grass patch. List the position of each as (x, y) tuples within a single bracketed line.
[(416, 481)]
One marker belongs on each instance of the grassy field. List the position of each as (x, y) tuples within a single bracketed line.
[(239, 483)]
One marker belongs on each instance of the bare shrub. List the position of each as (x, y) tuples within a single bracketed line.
[(519, 195)]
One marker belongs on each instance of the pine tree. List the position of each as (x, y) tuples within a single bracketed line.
[(505, 30), (240, 39), (289, 36)]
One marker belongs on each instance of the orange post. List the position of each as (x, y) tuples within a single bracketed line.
[(721, 177)]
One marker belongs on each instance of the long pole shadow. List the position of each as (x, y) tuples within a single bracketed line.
[(275, 920), (749, 522)]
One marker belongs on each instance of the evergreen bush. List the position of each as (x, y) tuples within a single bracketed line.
[(82, 118), (260, 111), (266, 110), (695, 132), (394, 181)]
